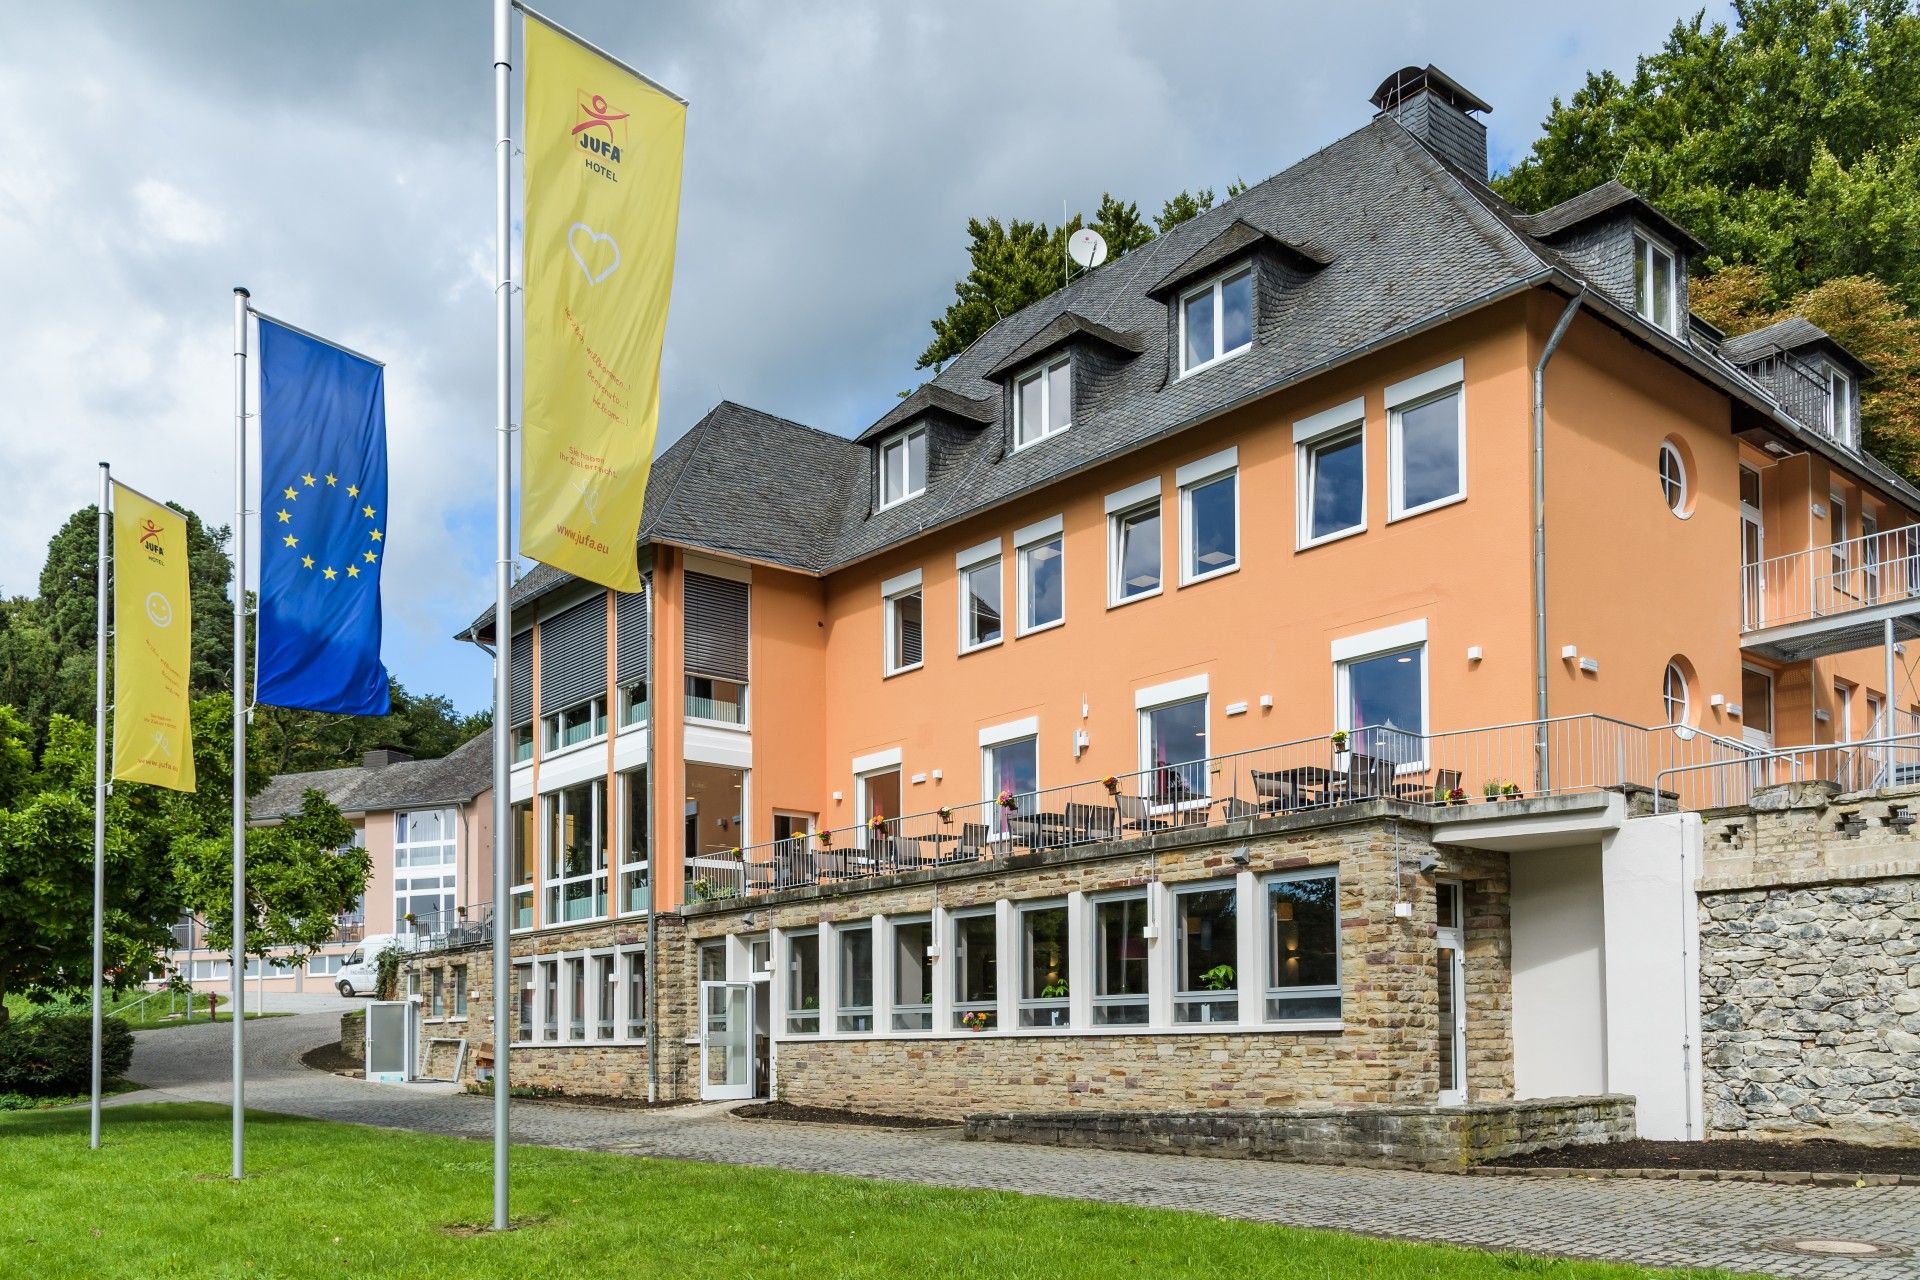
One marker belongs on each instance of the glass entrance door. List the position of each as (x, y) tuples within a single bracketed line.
[(1450, 972), (726, 1041)]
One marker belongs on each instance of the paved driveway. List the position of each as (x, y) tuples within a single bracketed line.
[(1704, 1224)]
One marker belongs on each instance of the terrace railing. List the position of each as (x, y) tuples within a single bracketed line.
[(1486, 765), (459, 927), (1888, 761), (1830, 580)]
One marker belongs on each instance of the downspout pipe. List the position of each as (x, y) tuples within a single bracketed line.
[(1542, 778)]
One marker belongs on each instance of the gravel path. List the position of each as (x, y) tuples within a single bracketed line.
[(1739, 1226)]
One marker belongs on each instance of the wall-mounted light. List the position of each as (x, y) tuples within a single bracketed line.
[(1080, 741), (937, 775), (919, 778), (1236, 708), (1568, 652), (1473, 653), (837, 797), (1404, 910), (1733, 709), (1819, 508), (1590, 665), (1241, 857), (1717, 700), (1821, 715), (1266, 702)]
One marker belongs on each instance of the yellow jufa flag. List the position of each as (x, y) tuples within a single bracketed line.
[(603, 207), (152, 643)]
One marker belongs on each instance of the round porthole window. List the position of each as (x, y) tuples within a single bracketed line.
[(1676, 487), (1676, 692)]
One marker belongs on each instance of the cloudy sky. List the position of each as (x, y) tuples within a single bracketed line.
[(337, 159)]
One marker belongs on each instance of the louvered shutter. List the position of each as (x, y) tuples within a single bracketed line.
[(631, 635), (910, 631), (573, 656), (716, 639), (520, 680)]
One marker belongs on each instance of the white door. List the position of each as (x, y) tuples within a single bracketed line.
[(1450, 971), (1753, 551), (726, 1040)]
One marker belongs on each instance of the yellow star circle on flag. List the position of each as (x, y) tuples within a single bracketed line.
[(307, 480), (328, 571), (307, 561)]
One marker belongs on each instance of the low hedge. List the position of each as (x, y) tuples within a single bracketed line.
[(48, 1054)]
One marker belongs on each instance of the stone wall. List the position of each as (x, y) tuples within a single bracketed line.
[(1386, 1053), (1439, 1139), (1810, 966)]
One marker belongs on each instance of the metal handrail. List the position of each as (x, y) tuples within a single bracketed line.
[(1793, 756), (1831, 579)]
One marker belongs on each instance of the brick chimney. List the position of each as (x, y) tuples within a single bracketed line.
[(1436, 108)]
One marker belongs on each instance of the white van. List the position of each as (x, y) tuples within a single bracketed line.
[(360, 973)]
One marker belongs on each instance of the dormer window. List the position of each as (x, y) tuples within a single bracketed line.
[(1655, 283), (1043, 403), (903, 467), (1216, 320), (1840, 418)]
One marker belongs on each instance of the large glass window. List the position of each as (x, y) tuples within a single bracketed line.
[(1043, 403), (856, 977), (976, 972), (711, 698), (576, 971), (576, 724), (606, 990), (803, 983), (1333, 498), (904, 631), (1042, 584), (1675, 699), (425, 871), (633, 702), (1386, 694), (1043, 966), (912, 975), (1654, 290), (459, 991), (879, 797), (1673, 478), (980, 615), (1012, 776), (903, 467), (523, 1002), (1839, 414), (521, 739), (1210, 527), (636, 983), (715, 810), (1120, 960), (633, 840), (1206, 954), (1216, 321), (523, 864), (1173, 750), (576, 867), (549, 999), (1429, 454), (1303, 945), (1135, 552)]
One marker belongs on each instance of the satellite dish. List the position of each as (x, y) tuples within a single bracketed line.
[(1087, 247)]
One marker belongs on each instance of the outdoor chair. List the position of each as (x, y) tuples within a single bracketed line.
[(973, 842), (1090, 823), (1368, 777), (1136, 814), (1421, 791), (1275, 792), (1233, 809)]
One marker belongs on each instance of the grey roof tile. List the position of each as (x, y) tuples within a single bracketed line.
[(456, 777), (1600, 201)]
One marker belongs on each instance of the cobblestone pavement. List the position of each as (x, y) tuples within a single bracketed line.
[(1739, 1226)]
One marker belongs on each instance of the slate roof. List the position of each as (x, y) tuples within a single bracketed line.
[(1790, 334), (456, 777), (1065, 328), (1406, 241), (1230, 245)]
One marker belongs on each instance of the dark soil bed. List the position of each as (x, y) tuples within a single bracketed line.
[(1769, 1157), (829, 1115), (606, 1101), (331, 1057)]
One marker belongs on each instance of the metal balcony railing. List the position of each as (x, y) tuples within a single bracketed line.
[(460, 927), (1889, 760), (1828, 581), (1491, 766)]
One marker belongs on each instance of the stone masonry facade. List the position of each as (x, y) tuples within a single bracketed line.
[(1385, 1052), (1810, 966)]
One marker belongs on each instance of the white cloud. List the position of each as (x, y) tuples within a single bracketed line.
[(172, 215)]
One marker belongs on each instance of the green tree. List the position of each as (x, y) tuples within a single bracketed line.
[(425, 726), (1012, 265), (1120, 225), (1184, 207)]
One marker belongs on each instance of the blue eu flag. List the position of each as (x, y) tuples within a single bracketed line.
[(323, 520)]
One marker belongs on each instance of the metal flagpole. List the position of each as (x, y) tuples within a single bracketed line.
[(238, 976), (99, 807), (502, 607), (653, 849)]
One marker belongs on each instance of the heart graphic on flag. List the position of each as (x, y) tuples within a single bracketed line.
[(593, 240)]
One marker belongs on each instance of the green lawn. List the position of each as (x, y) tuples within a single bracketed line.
[(340, 1200)]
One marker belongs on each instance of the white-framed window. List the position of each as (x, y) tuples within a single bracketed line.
[(1040, 555), (1676, 700), (459, 991), (1840, 417), (633, 980), (1010, 768), (903, 467), (1655, 283), (549, 996), (524, 1002), (905, 623), (876, 794), (803, 982), (1673, 480), (633, 840), (425, 869), (1330, 471), (976, 969), (437, 993), (716, 700), (1303, 945), (1133, 543), (982, 620), (912, 973), (324, 966), (633, 703), (1045, 964), (525, 851), (604, 995), (1840, 553), (576, 848), (576, 725), (1869, 557), (1043, 402), (1427, 441), (1216, 320), (1120, 969), (1209, 516), (1173, 750), (855, 962), (1380, 686), (1206, 957), (521, 741), (574, 970)]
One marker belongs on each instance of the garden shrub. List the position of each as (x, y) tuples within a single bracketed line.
[(52, 1053)]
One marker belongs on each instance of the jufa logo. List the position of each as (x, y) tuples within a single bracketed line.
[(600, 131), (150, 532)]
